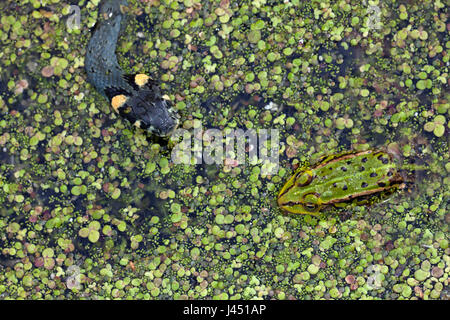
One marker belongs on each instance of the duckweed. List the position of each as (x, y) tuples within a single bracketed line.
[(80, 187)]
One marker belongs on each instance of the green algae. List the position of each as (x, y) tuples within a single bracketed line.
[(80, 187)]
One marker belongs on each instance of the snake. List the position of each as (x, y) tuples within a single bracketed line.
[(135, 97)]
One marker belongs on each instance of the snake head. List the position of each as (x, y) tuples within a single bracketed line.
[(145, 108), (155, 111), (159, 119)]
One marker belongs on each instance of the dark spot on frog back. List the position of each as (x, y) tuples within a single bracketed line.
[(383, 159)]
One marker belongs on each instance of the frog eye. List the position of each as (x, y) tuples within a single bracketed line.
[(311, 202), (303, 178), (311, 206)]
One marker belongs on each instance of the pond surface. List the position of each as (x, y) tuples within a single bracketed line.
[(92, 207)]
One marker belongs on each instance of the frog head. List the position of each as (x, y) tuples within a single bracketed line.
[(296, 197)]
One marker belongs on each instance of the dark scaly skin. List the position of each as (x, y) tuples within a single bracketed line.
[(141, 102)]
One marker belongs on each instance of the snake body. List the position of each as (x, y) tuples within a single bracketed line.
[(135, 97)]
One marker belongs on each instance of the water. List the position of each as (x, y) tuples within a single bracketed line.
[(80, 186)]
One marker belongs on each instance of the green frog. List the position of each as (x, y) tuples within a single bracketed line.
[(334, 181)]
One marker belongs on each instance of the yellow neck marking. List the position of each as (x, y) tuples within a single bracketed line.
[(118, 101), (141, 79)]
